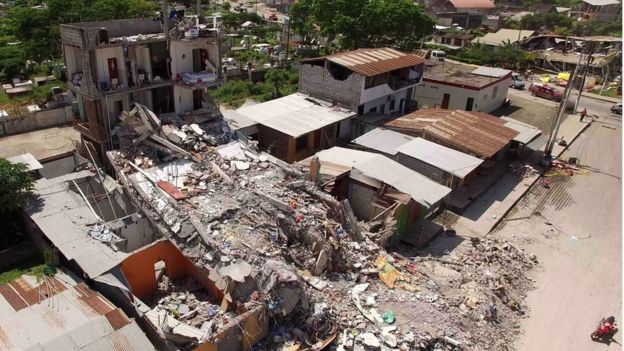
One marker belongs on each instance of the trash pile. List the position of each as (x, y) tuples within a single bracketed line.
[(563, 168), (268, 234), (522, 170)]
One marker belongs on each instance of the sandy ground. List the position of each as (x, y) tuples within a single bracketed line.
[(577, 237)]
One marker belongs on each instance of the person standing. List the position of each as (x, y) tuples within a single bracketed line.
[(583, 114)]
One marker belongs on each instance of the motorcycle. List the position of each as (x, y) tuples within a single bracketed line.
[(605, 330)]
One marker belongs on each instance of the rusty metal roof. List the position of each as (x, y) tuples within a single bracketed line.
[(371, 62), (117, 319), (477, 133), (63, 314)]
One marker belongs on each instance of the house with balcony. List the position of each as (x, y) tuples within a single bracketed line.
[(113, 64), (379, 80)]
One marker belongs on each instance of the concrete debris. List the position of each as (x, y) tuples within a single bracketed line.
[(267, 234)]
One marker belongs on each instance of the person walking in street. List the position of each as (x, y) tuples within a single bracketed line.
[(583, 114)]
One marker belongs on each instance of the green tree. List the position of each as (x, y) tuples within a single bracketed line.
[(363, 23), (34, 28), (16, 186), (12, 60), (276, 77)]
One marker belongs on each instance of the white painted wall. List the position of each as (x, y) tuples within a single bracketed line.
[(111, 105), (430, 95), (183, 99), (488, 102), (380, 91), (384, 100), (102, 55), (143, 60), (182, 54)]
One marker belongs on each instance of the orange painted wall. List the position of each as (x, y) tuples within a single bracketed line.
[(139, 267)]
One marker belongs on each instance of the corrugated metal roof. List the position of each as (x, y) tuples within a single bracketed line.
[(61, 323), (371, 62), (338, 160), (493, 72), (452, 161), (420, 188), (601, 2), (475, 132), (503, 36), (239, 122), (473, 4), (63, 216), (383, 140), (28, 159), (296, 114), (528, 133)]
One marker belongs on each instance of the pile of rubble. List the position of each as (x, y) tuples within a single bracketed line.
[(267, 233), (188, 302)]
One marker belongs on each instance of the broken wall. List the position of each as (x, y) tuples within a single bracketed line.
[(139, 269)]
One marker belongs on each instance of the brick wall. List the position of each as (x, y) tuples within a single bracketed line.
[(318, 82)]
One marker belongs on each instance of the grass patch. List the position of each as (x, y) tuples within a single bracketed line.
[(38, 96), (234, 93), (34, 266), (608, 91)]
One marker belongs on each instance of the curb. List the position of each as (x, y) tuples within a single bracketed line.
[(601, 98), (500, 219)]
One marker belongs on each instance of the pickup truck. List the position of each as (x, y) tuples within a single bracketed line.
[(545, 91)]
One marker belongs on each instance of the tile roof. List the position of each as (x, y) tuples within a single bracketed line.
[(371, 62), (475, 132)]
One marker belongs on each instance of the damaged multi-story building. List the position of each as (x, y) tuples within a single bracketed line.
[(167, 67)]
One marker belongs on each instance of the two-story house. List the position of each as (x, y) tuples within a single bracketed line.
[(598, 10), (378, 80), (113, 64)]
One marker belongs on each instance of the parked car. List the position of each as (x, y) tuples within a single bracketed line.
[(617, 108), (545, 91), (516, 81)]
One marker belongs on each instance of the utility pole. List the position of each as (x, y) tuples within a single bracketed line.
[(592, 47), (287, 21), (554, 129)]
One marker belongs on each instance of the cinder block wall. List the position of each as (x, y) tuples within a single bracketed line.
[(319, 83), (421, 167)]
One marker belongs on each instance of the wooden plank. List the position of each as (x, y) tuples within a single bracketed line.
[(351, 222)]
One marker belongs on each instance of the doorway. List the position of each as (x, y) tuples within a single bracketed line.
[(469, 104), (445, 101), (118, 108), (112, 68)]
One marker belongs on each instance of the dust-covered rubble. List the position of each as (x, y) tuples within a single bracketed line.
[(266, 231)]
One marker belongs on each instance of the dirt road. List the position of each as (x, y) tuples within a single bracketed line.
[(574, 228)]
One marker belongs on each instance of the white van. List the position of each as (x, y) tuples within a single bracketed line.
[(516, 81), (437, 55)]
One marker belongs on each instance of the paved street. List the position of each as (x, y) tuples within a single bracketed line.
[(594, 106), (574, 227)]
